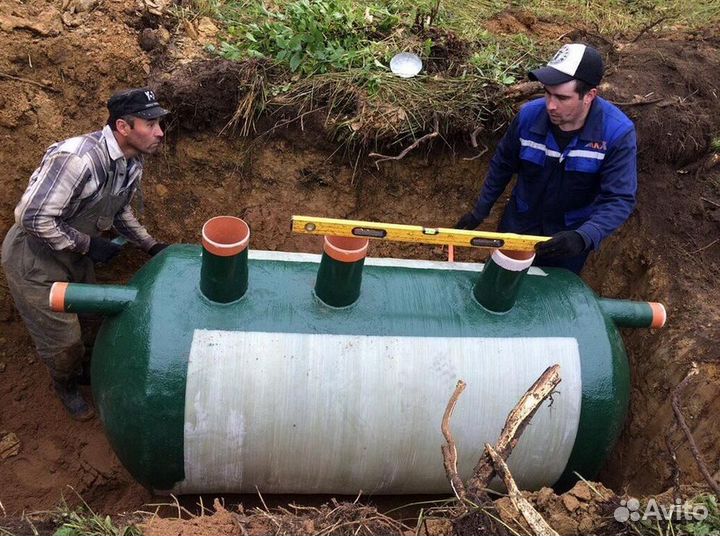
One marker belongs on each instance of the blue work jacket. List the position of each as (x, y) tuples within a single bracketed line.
[(589, 187)]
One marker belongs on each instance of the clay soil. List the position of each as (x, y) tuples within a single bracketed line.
[(60, 63)]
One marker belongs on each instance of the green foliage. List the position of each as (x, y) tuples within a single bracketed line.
[(90, 524), (715, 144), (507, 60), (682, 526), (83, 521), (313, 36)]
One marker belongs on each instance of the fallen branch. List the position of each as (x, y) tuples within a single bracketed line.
[(538, 525), (515, 423), (688, 433), (449, 451)]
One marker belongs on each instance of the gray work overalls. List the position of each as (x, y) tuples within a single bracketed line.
[(31, 267)]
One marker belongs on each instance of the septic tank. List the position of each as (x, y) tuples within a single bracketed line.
[(220, 369)]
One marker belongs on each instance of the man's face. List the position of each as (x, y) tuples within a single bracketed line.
[(565, 107), (144, 136)]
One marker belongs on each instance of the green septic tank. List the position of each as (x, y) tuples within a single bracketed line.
[(219, 371)]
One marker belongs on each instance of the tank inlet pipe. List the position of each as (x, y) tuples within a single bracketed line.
[(340, 273), (499, 283), (632, 314), (224, 269), (84, 298)]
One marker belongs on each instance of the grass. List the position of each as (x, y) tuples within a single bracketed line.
[(683, 524), (83, 521), (715, 144), (334, 55)]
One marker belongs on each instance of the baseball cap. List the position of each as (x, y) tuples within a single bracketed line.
[(140, 102), (571, 62)]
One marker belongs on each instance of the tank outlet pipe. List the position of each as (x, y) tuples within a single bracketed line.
[(499, 283), (224, 266), (83, 298), (633, 314), (340, 273)]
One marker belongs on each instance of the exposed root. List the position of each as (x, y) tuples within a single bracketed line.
[(449, 451), (534, 519), (515, 423), (688, 433), (426, 137)]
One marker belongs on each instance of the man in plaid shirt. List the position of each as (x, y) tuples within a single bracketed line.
[(83, 187)]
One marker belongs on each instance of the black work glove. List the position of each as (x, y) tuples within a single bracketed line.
[(562, 245), (102, 250), (468, 222), (157, 248)]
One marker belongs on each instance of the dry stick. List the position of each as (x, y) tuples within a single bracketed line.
[(538, 525), (705, 247), (639, 103), (449, 451), (681, 421), (515, 423), (28, 81), (648, 28)]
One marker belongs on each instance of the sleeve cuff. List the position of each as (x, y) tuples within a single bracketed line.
[(587, 237)]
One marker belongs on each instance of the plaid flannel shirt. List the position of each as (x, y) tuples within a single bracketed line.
[(71, 174)]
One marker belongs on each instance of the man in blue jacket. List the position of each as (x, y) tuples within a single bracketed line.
[(574, 155)]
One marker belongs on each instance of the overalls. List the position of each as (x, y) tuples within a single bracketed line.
[(31, 267)]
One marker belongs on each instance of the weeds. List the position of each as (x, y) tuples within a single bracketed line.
[(699, 516), (313, 36), (715, 144), (84, 521)]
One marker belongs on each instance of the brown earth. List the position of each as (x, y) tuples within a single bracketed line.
[(58, 67)]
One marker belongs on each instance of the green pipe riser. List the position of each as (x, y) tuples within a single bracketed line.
[(338, 283), (224, 279), (497, 288), (224, 264)]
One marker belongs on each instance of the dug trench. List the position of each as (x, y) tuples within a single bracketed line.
[(668, 251)]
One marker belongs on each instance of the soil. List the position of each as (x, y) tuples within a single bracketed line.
[(57, 69)]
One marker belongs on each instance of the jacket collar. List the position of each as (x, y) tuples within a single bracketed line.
[(592, 129)]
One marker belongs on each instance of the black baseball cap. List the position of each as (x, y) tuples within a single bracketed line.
[(572, 62), (140, 102)]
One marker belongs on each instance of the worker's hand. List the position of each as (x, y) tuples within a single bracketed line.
[(102, 250), (157, 248), (562, 245), (468, 222)]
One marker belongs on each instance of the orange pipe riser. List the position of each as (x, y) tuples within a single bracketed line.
[(339, 276), (224, 269)]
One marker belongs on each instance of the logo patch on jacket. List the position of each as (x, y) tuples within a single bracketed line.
[(597, 145)]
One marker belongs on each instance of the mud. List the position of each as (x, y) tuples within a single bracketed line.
[(55, 76)]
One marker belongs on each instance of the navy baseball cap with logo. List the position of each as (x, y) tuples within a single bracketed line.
[(139, 102), (571, 62)]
